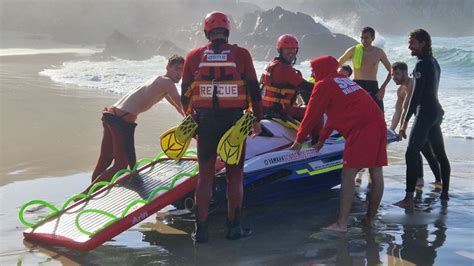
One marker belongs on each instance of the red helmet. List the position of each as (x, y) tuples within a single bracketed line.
[(216, 20), (287, 41)]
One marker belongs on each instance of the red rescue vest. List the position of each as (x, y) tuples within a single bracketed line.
[(279, 94), (217, 83)]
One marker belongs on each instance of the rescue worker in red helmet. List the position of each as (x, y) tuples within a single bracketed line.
[(281, 83), (207, 71)]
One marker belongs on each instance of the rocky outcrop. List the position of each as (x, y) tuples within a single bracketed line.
[(394, 17), (315, 39), (257, 31), (121, 46)]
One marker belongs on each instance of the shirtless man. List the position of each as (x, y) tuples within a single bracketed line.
[(365, 72), (404, 92), (119, 119)]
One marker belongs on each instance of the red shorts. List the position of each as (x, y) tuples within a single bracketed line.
[(366, 147)]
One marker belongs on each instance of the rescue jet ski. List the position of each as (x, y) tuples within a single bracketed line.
[(272, 172)]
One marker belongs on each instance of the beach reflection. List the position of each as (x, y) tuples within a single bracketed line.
[(286, 233), (419, 242)]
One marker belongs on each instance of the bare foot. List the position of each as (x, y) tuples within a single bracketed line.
[(444, 195), (335, 227), (420, 182), (437, 184), (405, 203)]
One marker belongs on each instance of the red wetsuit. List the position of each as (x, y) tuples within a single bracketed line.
[(351, 111), (215, 121)]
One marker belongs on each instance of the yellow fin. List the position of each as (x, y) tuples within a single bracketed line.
[(175, 141), (231, 144)]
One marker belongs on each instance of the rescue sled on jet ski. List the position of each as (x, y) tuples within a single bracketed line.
[(271, 172)]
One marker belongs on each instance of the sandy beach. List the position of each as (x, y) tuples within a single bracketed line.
[(50, 135), (52, 129)]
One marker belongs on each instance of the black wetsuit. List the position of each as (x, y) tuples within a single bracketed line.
[(430, 157), (427, 126)]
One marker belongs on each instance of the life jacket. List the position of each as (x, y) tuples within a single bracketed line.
[(217, 83), (276, 95)]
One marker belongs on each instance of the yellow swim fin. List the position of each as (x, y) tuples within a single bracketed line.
[(232, 142), (289, 124), (175, 141)]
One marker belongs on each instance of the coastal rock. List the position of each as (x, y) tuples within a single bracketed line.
[(257, 31), (121, 46), (315, 39)]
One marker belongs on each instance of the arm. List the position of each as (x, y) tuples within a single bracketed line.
[(381, 93), (173, 98), (398, 111), (416, 94), (406, 102), (346, 56)]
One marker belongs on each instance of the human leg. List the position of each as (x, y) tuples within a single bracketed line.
[(437, 143), (203, 195), (420, 181), (428, 153), (130, 144), (119, 154), (235, 193), (206, 149), (416, 141), (235, 189), (212, 127), (106, 153), (204, 184), (346, 198), (376, 193)]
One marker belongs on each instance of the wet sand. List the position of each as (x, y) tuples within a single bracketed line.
[(52, 129), (50, 135)]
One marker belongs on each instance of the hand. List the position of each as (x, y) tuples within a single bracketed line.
[(381, 93), (402, 134), (256, 129), (296, 146), (402, 131), (318, 146)]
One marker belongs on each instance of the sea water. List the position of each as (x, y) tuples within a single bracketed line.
[(455, 56)]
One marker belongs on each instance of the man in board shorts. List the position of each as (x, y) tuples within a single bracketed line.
[(119, 119), (365, 58), (357, 117)]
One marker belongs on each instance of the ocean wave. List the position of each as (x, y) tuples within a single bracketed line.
[(454, 57), (28, 51), (120, 76)]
